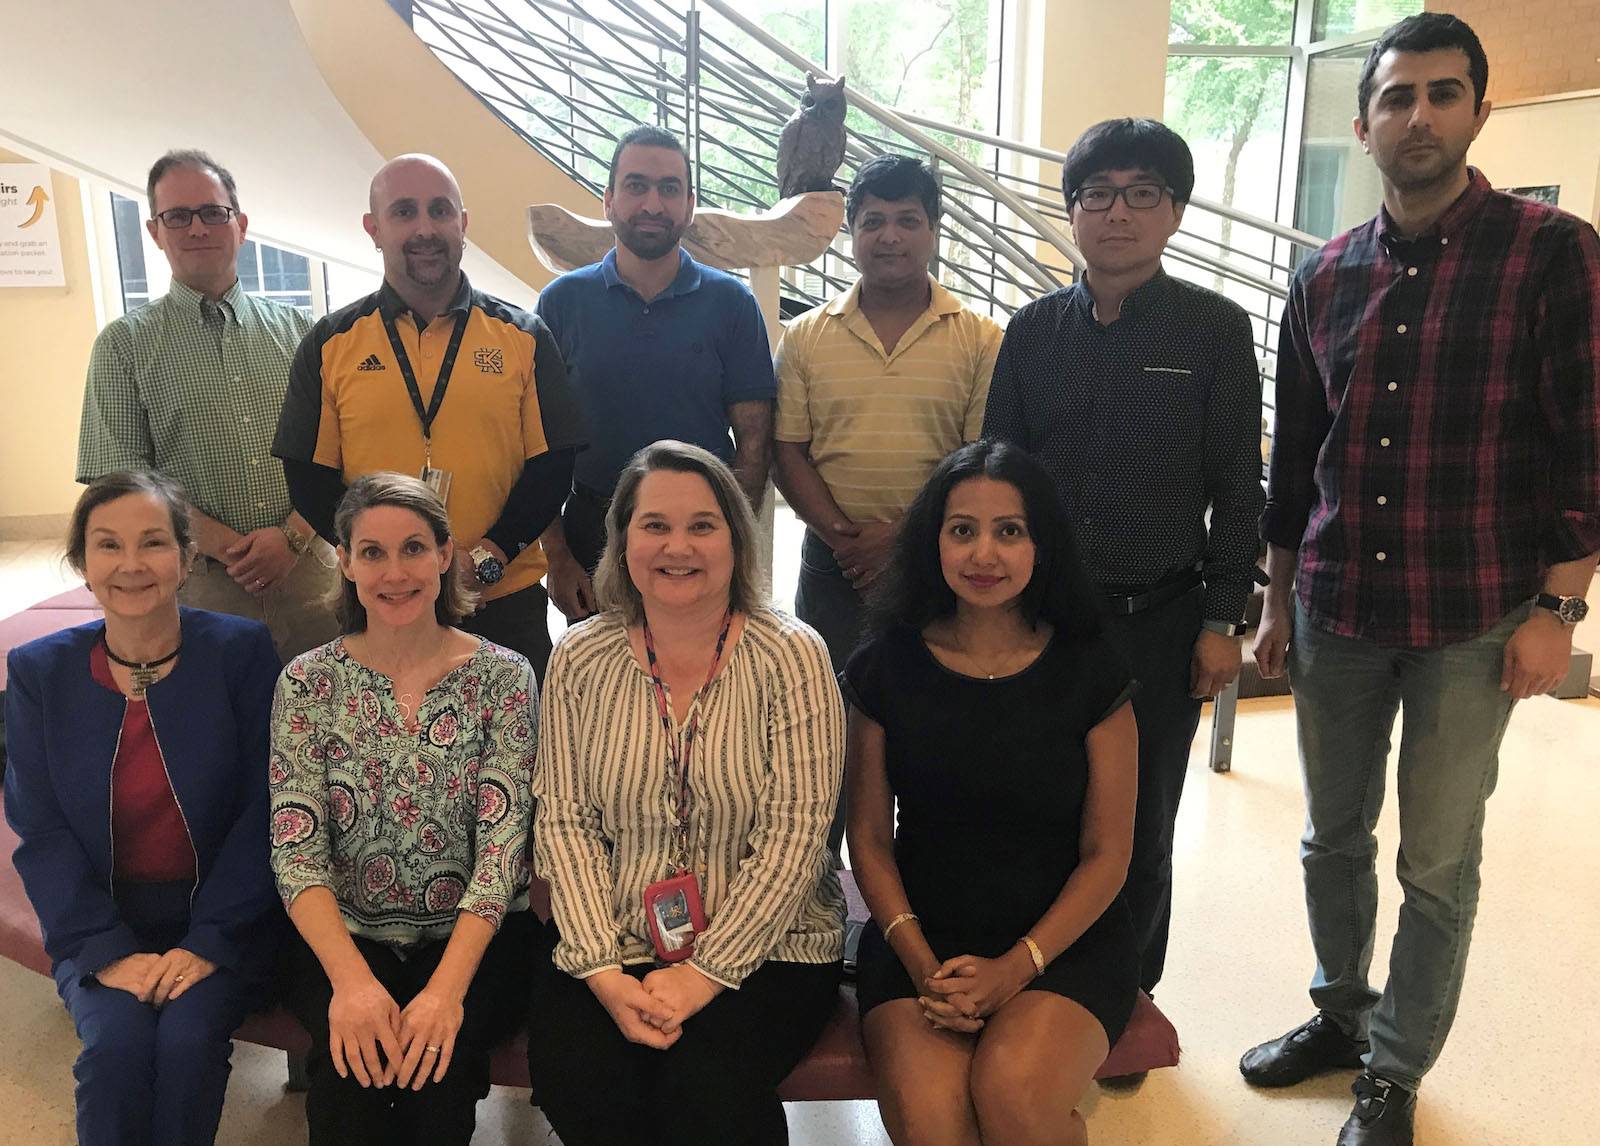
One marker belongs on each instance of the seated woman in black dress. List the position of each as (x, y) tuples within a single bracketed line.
[(1001, 965)]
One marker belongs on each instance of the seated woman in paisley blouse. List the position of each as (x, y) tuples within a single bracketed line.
[(400, 767)]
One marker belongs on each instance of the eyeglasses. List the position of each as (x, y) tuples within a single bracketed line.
[(1138, 196), (212, 215)]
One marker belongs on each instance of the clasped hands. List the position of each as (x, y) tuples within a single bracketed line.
[(652, 1011), (383, 1044), (960, 993), (156, 979)]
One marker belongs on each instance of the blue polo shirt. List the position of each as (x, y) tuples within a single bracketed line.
[(667, 368)]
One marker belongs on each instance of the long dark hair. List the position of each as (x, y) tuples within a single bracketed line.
[(913, 590)]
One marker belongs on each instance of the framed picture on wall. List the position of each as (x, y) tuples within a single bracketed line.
[(1549, 193)]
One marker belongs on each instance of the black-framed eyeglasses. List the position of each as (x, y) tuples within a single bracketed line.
[(1138, 196), (212, 215)]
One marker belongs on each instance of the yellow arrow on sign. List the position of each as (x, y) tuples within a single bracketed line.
[(37, 201)]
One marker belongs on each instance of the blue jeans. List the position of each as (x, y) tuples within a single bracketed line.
[(1346, 694)]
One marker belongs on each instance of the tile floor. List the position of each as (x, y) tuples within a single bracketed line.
[(1518, 1070)]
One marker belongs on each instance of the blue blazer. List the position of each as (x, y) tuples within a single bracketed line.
[(211, 715)]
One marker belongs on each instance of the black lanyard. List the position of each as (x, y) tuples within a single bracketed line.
[(442, 383)]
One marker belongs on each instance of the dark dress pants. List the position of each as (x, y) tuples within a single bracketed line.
[(149, 1076), (1158, 645), (825, 600), (519, 622), (717, 1084), (342, 1112)]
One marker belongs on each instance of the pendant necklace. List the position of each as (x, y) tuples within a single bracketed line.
[(144, 673)]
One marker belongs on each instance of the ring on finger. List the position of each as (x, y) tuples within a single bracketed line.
[(179, 979), (431, 1050)]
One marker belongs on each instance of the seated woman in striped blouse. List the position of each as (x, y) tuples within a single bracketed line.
[(401, 760), (691, 749)]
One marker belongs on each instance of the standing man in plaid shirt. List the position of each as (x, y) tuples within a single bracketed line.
[(191, 385), (1434, 501)]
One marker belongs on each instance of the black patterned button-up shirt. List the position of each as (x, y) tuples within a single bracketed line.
[(1147, 424)]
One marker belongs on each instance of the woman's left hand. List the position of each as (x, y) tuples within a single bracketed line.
[(683, 989), (429, 1024), (987, 984), (174, 973)]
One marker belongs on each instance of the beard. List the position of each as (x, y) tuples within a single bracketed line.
[(1420, 170), (645, 244), (430, 262)]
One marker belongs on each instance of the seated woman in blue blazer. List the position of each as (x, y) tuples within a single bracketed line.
[(137, 784)]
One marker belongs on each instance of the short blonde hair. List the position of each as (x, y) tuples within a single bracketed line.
[(613, 586), (455, 599)]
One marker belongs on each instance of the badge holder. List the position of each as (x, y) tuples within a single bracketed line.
[(673, 910), (436, 480)]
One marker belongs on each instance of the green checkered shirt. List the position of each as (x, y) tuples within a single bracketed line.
[(193, 389)]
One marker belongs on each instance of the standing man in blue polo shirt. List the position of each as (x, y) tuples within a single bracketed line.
[(657, 346)]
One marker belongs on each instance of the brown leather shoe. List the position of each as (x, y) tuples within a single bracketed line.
[(1310, 1049)]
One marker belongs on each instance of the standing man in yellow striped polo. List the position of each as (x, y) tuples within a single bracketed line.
[(873, 389)]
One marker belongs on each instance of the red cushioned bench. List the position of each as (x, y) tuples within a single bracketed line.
[(835, 1069)]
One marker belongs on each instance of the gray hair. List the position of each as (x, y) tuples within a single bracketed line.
[(613, 586)]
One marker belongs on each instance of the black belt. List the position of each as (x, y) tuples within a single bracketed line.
[(1125, 604)]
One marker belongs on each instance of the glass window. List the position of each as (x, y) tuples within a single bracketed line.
[(128, 224), (1334, 18), (1230, 110), (1243, 22), (1339, 185)]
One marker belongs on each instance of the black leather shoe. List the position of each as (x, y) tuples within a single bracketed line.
[(1310, 1049), (1383, 1114)]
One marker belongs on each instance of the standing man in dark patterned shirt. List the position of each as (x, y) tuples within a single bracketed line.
[(1434, 499), (1142, 395)]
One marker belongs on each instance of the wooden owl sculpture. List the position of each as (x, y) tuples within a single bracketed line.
[(812, 144)]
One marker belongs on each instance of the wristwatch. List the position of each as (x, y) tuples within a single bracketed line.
[(298, 542), (486, 565), (1570, 610), (1225, 628)]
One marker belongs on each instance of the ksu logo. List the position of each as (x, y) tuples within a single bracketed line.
[(490, 361), (370, 362)]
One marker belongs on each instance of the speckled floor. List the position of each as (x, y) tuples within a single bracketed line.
[(1518, 1070)]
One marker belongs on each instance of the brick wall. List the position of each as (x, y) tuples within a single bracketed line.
[(1535, 47)]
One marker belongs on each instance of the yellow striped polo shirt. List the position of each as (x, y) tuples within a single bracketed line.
[(878, 422)]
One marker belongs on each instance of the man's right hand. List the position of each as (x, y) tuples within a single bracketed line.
[(1271, 648), (569, 586)]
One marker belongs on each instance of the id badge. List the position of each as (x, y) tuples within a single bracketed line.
[(438, 481), (673, 910)]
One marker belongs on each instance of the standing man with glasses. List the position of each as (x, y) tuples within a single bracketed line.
[(427, 376), (190, 385), (1434, 501), (1142, 396), (659, 346)]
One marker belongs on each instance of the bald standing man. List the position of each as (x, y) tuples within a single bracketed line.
[(430, 377)]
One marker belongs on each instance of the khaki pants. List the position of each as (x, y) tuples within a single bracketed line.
[(296, 610)]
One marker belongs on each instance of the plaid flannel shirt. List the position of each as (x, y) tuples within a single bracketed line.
[(1437, 444)]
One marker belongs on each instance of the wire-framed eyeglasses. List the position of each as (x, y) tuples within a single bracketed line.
[(212, 215)]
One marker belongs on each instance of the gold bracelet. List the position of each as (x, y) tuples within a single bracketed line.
[(896, 922), (1038, 955)]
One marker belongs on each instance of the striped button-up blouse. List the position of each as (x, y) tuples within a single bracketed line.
[(764, 780)]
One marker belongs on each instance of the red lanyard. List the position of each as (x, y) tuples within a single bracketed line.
[(680, 754)]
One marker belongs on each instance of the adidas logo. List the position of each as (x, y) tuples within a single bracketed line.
[(370, 362)]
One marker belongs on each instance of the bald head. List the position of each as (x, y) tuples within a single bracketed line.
[(418, 222), (411, 171)]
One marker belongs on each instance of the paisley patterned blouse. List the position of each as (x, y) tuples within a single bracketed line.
[(406, 829)]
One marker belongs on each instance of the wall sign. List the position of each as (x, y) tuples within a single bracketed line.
[(30, 244)]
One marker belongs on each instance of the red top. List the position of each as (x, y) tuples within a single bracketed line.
[(149, 840)]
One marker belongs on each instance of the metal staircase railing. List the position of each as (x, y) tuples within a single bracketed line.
[(571, 75)]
